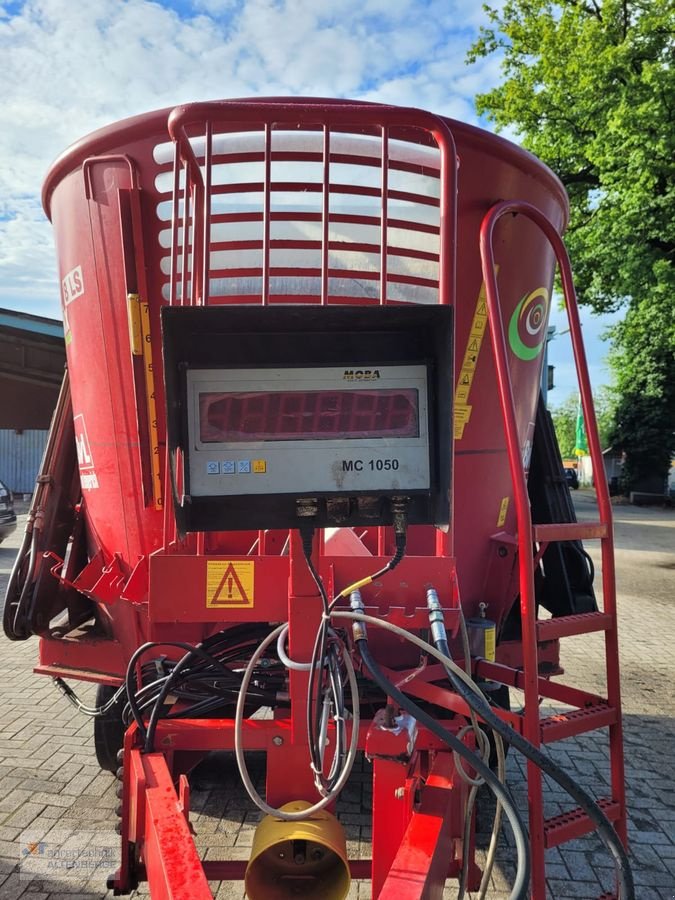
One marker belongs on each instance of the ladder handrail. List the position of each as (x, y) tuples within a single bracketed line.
[(531, 724), (497, 334)]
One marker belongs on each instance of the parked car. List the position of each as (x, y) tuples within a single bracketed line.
[(7, 514), (572, 478)]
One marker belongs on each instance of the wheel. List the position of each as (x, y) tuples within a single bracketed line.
[(108, 730)]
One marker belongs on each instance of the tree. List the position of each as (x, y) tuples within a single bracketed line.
[(589, 86), (644, 417), (565, 421)]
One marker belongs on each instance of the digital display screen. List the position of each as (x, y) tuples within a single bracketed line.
[(238, 417)]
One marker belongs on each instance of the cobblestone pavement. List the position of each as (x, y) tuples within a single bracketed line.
[(54, 796)]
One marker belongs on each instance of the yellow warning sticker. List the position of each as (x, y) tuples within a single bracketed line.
[(462, 412), (490, 644), (503, 509), (229, 584)]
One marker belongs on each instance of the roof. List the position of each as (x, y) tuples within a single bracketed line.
[(21, 321), (32, 357)]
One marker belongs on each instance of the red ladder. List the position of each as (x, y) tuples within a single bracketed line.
[(591, 712)]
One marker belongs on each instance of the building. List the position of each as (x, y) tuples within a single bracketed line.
[(32, 360)]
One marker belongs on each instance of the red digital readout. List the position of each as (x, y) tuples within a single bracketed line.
[(308, 415)]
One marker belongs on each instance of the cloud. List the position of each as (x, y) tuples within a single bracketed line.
[(71, 68), (29, 278)]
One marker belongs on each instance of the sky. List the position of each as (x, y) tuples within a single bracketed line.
[(69, 68)]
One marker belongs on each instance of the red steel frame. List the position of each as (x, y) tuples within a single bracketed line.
[(417, 821), (417, 804), (527, 534), (243, 116), (417, 797)]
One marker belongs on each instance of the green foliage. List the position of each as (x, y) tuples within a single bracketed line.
[(639, 422), (644, 359), (565, 421), (589, 86)]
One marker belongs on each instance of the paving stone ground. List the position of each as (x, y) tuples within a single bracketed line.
[(54, 800)]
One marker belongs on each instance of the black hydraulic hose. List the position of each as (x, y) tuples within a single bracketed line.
[(319, 656), (130, 674), (245, 636), (149, 733), (196, 651), (399, 553), (521, 885), (589, 563), (319, 652), (604, 827), (16, 594)]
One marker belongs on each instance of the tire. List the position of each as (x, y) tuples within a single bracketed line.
[(108, 730)]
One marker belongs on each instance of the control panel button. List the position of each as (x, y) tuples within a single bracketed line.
[(259, 466), (213, 468), (244, 466), (227, 467)]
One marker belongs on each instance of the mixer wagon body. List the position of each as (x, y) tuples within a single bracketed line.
[(122, 456), (282, 205)]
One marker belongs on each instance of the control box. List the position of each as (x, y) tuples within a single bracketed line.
[(282, 414), (305, 430)]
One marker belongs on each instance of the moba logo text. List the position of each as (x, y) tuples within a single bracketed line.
[(361, 374)]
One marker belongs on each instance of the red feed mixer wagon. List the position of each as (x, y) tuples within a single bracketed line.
[(301, 494)]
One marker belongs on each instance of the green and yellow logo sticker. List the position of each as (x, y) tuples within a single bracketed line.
[(527, 328)]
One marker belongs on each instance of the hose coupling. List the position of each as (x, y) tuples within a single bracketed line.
[(358, 628), (399, 507), (436, 619)]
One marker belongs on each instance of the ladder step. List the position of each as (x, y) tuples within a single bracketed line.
[(576, 721), (569, 531), (575, 823), (565, 626)]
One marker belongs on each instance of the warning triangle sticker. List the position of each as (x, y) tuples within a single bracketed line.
[(230, 590)]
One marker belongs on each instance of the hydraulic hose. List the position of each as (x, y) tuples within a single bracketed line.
[(14, 620), (129, 683), (319, 652), (192, 653), (239, 743), (92, 711), (604, 827), (521, 884)]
